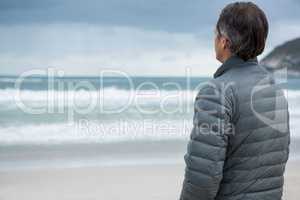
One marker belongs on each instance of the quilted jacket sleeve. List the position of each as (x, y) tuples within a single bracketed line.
[(206, 152)]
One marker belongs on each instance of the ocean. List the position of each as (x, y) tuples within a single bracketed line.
[(79, 121)]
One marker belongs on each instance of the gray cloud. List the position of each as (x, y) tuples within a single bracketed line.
[(169, 15), (140, 36), (161, 14)]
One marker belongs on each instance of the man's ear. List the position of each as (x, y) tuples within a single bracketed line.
[(224, 43)]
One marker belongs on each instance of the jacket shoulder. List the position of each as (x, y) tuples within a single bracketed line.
[(218, 95)]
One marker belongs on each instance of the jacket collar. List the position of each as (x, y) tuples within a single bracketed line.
[(231, 62)]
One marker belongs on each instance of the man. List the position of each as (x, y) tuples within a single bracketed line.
[(240, 140)]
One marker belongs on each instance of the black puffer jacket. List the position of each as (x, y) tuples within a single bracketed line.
[(239, 145)]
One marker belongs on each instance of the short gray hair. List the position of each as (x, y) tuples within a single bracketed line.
[(246, 27)]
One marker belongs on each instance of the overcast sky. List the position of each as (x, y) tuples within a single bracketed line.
[(140, 37)]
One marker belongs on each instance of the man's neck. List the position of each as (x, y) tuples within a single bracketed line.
[(226, 57)]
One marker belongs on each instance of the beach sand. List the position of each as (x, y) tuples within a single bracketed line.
[(147, 182)]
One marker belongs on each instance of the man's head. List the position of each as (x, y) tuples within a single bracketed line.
[(241, 30)]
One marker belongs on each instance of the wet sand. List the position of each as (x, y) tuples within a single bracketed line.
[(147, 182)]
